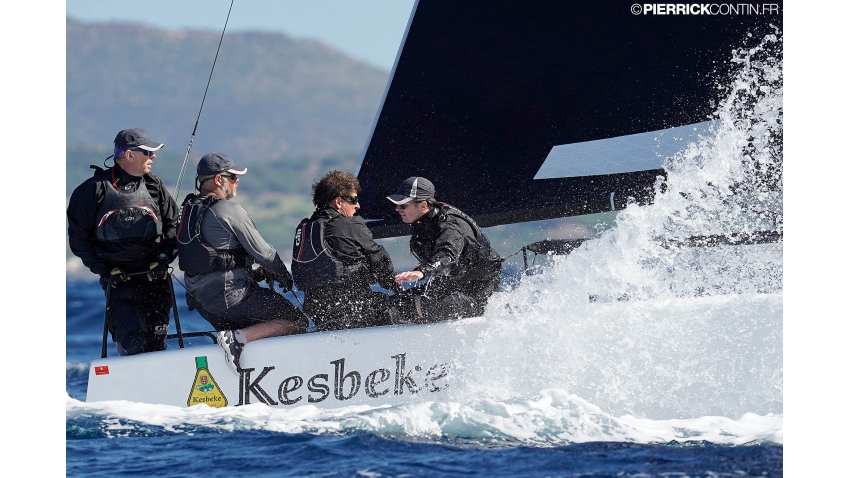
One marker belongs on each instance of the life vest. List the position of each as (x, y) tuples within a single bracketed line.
[(194, 254), (127, 227), (475, 266), (313, 264)]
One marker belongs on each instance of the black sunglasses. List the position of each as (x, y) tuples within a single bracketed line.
[(144, 151), (228, 175), (350, 199)]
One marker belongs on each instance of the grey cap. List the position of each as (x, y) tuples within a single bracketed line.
[(215, 163), (135, 138), (413, 188)]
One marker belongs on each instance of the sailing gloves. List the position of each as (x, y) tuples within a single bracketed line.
[(285, 281), (259, 275), (115, 277), (158, 270)]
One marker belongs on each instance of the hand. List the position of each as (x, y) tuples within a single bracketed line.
[(158, 270), (410, 276), (259, 274), (116, 276), (286, 282)]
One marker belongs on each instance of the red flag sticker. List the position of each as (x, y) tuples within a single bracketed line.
[(101, 370)]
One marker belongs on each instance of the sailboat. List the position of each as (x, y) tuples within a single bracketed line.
[(517, 112)]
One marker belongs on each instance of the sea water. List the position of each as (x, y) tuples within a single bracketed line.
[(627, 357)]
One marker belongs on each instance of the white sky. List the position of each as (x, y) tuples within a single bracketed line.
[(368, 30)]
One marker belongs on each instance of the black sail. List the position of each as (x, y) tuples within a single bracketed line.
[(482, 91)]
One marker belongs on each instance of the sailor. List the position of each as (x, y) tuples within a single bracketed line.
[(335, 260), (121, 223), (463, 269), (218, 245)]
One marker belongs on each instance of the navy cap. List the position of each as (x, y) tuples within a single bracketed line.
[(135, 138), (413, 188), (215, 163)]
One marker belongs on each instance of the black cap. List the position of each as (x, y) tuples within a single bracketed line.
[(413, 188), (135, 138), (215, 163)]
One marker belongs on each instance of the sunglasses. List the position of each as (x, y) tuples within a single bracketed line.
[(229, 176), (143, 151), (350, 199)]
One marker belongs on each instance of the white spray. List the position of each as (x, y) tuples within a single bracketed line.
[(638, 328)]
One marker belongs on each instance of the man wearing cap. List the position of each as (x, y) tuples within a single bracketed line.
[(453, 253), (335, 260), (121, 223), (218, 245)]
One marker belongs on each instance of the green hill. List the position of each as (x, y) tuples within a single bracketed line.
[(288, 109), (271, 97)]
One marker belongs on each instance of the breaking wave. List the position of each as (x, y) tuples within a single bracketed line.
[(552, 418)]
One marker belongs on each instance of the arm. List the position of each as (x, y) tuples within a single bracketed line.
[(448, 248), (168, 211), (378, 260), (81, 212), (243, 227)]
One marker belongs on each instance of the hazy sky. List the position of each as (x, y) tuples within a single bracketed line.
[(369, 30)]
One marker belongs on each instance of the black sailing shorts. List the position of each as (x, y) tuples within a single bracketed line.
[(262, 305)]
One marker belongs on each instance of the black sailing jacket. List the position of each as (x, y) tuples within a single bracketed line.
[(365, 261), (449, 244), (82, 217)]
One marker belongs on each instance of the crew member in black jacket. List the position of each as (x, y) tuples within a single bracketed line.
[(452, 252), (122, 221), (335, 259)]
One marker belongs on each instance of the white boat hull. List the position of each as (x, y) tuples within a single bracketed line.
[(370, 366)]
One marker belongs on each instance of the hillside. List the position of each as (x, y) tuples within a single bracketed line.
[(290, 110), (271, 97)]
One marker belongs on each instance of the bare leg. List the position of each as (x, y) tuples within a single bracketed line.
[(418, 305), (272, 328)]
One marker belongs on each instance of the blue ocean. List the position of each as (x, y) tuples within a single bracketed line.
[(628, 357)]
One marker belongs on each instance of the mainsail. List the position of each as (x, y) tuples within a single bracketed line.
[(529, 110)]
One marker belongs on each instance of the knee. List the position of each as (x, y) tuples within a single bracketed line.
[(132, 344), (157, 344)]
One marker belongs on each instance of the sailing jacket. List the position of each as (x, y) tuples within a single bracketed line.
[(226, 227), (116, 219), (330, 249), (195, 255), (449, 245)]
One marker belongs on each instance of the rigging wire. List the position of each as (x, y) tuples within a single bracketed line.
[(192, 139)]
